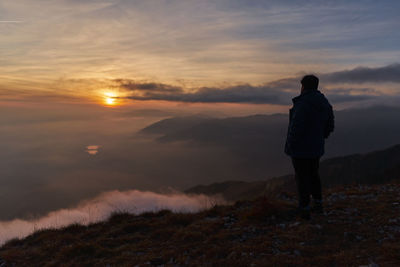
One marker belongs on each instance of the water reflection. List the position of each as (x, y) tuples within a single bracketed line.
[(92, 149)]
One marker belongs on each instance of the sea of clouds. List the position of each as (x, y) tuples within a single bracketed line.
[(101, 207)]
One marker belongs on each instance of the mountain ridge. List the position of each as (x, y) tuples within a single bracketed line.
[(257, 141), (369, 168)]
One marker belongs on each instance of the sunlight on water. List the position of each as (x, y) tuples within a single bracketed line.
[(92, 149)]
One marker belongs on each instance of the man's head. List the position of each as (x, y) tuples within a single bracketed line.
[(309, 82)]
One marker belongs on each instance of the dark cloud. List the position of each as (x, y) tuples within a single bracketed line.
[(342, 98), (278, 92), (245, 93), (152, 87), (352, 91), (389, 73), (344, 95), (287, 84)]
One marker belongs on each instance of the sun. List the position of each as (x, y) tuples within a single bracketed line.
[(110, 101), (110, 98)]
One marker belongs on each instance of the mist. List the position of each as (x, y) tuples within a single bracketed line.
[(48, 165), (45, 164), (101, 207)]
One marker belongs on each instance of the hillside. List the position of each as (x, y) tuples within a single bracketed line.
[(370, 168), (258, 140), (360, 226), (172, 125), (240, 190)]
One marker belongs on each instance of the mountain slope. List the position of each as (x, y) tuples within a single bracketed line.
[(361, 226), (258, 140), (370, 168), (172, 125)]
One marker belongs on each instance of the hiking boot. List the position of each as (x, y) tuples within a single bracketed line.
[(305, 213), (317, 207)]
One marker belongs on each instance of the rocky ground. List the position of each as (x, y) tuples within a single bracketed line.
[(360, 227)]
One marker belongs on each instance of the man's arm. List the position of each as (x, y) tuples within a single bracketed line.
[(330, 125), (297, 126)]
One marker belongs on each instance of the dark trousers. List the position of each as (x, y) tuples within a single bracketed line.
[(307, 180)]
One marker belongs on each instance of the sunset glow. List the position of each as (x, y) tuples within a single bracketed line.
[(110, 99), (233, 44)]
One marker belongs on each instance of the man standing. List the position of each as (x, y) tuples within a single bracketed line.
[(311, 120)]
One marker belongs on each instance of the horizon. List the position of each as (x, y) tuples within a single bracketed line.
[(111, 53)]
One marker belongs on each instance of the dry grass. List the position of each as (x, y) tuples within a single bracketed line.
[(361, 225)]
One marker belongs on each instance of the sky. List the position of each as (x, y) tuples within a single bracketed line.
[(164, 52)]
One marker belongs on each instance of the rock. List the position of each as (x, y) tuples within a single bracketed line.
[(359, 238), (157, 261), (318, 226), (244, 237), (337, 196), (294, 224), (276, 251), (231, 255), (187, 261), (371, 264), (211, 219)]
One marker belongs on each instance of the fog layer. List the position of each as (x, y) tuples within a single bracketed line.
[(100, 208)]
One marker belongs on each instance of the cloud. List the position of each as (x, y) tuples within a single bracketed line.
[(244, 93), (389, 73), (353, 90), (343, 98), (346, 95), (151, 87), (101, 207), (278, 92), (202, 41), (150, 113)]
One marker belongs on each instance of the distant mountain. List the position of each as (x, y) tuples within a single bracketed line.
[(374, 167), (255, 140), (173, 125), (371, 168), (258, 140), (239, 190)]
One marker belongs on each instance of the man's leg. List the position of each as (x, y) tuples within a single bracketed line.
[(302, 178), (315, 185), (315, 180)]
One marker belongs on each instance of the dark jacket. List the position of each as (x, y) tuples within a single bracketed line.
[(311, 120)]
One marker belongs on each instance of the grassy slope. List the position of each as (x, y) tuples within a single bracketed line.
[(361, 225)]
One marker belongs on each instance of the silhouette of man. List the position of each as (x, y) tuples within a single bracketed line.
[(311, 121)]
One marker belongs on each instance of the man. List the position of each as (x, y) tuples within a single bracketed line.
[(311, 120)]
